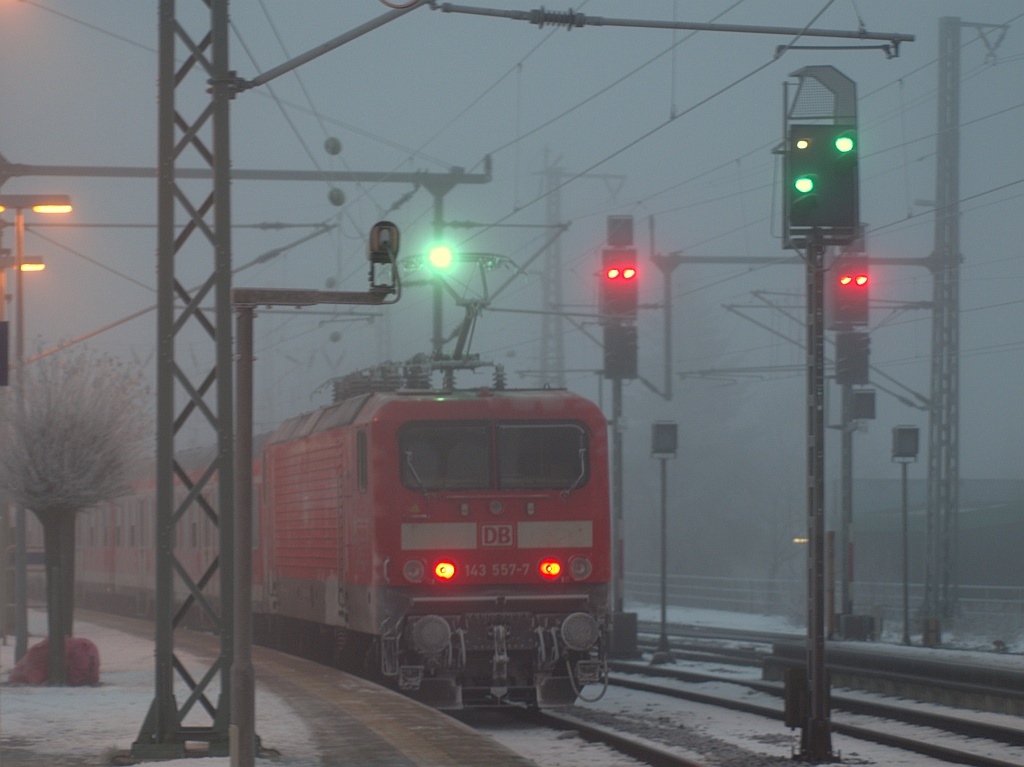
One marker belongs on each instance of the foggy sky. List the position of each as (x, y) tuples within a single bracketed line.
[(433, 91)]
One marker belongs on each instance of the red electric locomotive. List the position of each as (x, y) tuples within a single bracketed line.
[(461, 538), (456, 543)]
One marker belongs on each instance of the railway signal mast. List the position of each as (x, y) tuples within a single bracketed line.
[(820, 208), (618, 292)]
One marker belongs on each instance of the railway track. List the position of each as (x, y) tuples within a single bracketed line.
[(638, 748), (927, 730), (946, 677), (708, 660), (939, 726)]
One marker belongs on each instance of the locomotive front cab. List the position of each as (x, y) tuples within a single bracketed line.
[(501, 559)]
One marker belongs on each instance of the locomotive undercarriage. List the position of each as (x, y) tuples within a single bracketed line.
[(479, 647), (475, 659)]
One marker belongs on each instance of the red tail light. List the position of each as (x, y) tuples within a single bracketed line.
[(550, 568), (445, 570)]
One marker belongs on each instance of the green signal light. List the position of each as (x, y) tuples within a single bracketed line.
[(804, 184), (440, 256), (844, 144)]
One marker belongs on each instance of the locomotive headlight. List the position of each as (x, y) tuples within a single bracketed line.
[(580, 631), (580, 568), (413, 570)]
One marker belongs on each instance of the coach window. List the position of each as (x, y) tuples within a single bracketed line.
[(362, 471), (542, 456), (445, 456)]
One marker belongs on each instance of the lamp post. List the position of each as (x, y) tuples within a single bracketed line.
[(29, 264), (663, 447), (904, 451), (19, 203)]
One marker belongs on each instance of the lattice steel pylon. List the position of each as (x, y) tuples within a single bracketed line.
[(205, 211), (944, 415), (941, 579)]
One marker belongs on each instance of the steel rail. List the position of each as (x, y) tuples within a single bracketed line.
[(637, 748)]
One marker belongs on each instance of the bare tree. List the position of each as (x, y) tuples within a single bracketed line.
[(76, 423)]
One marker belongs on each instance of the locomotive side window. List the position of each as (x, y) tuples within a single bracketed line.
[(542, 456), (445, 456)]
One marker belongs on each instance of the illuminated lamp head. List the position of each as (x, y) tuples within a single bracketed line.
[(550, 568), (440, 257)]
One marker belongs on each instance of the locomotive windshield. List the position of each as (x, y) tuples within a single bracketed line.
[(446, 456), (483, 456), (542, 456)]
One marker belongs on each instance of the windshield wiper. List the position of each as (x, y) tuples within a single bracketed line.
[(583, 470), (415, 474)]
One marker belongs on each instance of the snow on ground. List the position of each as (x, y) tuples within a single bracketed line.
[(93, 722), (67, 724)]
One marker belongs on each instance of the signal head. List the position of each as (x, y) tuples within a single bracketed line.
[(848, 302), (618, 284), (821, 180)]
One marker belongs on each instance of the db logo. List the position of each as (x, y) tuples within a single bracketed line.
[(495, 535)]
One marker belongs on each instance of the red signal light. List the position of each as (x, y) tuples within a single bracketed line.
[(445, 570), (619, 283), (550, 568), (860, 280), (848, 299), (615, 273)]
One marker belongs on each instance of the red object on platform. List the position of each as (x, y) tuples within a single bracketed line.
[(81, 655)]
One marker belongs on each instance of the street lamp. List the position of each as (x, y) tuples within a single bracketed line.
[(663, 447), (29, 264), (904, 451), (19, 203)]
